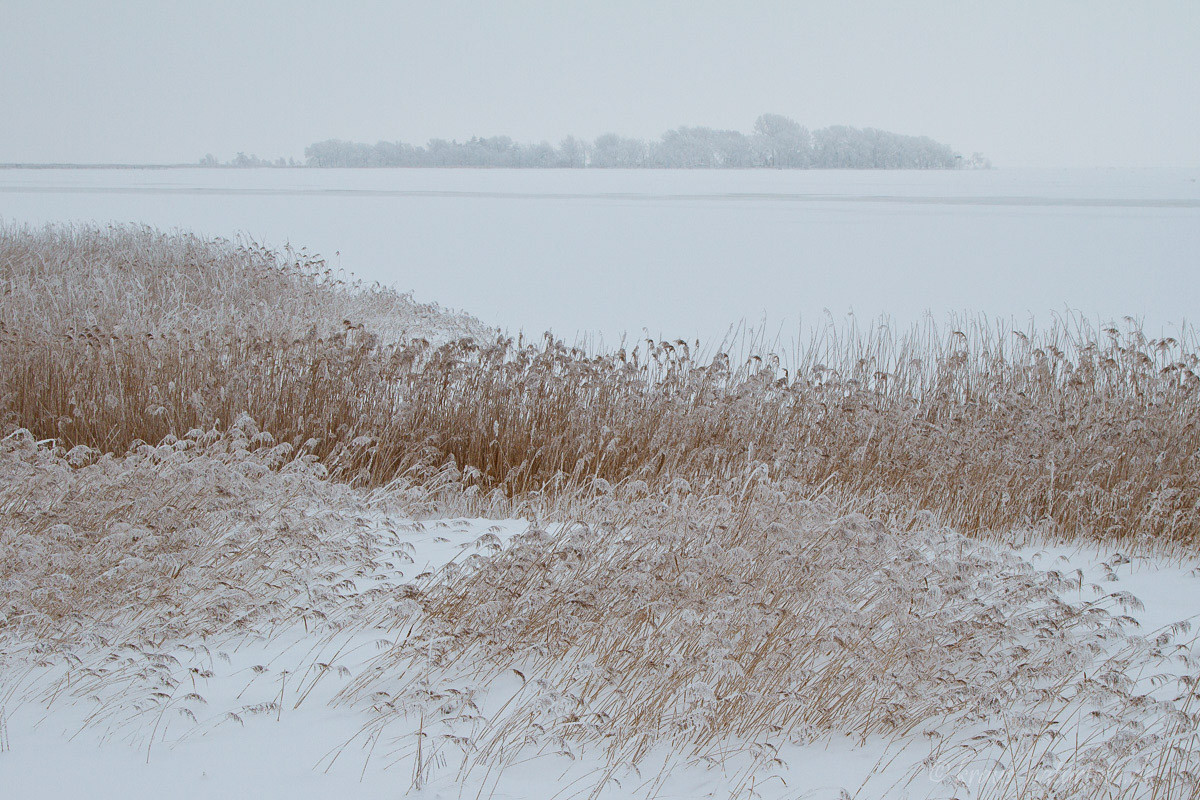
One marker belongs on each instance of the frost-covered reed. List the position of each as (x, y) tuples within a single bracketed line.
[(114, 336)]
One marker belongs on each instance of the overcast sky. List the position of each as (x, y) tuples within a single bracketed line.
[(1040, 83)]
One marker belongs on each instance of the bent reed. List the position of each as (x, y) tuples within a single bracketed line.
[(746, 555)]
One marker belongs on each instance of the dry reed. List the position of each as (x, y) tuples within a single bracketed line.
[(1076, 432)]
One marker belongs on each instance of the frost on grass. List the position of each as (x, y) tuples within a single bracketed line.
[(127, 581), (194, 536), (720, 631), (136, 280), (722, 626), (1078, 432)]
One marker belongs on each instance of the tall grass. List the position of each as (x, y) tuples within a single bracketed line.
[(198, 536), (109, 337), (729, 625), (134, 281)]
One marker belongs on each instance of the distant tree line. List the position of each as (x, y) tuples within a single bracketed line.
[(776, 142), (243, 160)]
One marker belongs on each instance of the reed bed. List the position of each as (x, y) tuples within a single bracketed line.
[(1074, 432), (199, 536), (135, 280), (750, 551), (743, 621)]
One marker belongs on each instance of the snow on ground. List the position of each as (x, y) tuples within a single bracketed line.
[(263, 727), (258, 717), (1169, 589)]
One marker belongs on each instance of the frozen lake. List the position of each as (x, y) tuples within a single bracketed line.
[(687, 253)]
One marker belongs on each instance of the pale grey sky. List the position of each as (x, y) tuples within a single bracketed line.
[(1039, 83)]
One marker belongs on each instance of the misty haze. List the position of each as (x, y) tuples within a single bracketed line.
[(634, 400)]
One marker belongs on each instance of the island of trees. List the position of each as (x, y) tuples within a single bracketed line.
[(776, 141)]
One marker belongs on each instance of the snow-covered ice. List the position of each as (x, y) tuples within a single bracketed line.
[(687, 253)]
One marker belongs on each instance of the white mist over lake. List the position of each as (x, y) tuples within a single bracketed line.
[(686, 253)]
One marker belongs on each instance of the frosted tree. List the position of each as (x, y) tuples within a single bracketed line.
[(782, 142), (572, 152), (611, 150), (702, 147)]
